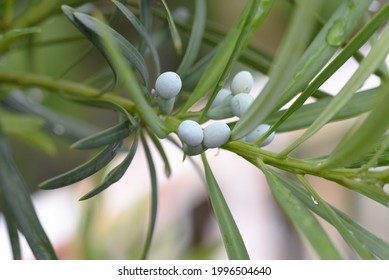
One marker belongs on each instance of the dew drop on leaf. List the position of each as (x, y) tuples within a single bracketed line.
[(336, 34), (59, 129), (314, 200)]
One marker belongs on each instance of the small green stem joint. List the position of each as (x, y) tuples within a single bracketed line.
[(165, 105)]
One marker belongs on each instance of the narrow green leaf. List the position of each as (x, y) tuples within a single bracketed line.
[(115, 174), (127, 49), (146, 17), (348, 51), (133, 88), (14, 33), (83, 171), (108, 136), (195, 38), (379, 156), (310, 64), (194, 74), (28, 128), (92, 37), (233, 242), (301, 217), (75, 62), (307, 114), (107, 104), (154, 198), (250, 56), (89, 27), (371, 62), (19, 204), (72, 128), (376, 245), (143, 33), (12, 229), (298, 36), (13, 123), (173, 29), (363, 136), (229, 50), (161, 150), (337, 222), (255, 18)]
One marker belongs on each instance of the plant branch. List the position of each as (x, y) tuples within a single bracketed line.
[(68, 88), (351, 178), (34, 15)]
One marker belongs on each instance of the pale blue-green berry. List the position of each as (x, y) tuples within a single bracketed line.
[(168, 85), (190, 133), (386, 189), (221, 108), (242, 82), (216, 134), (258, 132), (220, 112), (221, 96), (240, 103)]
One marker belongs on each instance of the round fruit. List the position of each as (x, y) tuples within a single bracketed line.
[(258, 132), (168, 85), (242, 82), (191, 133), (221, 96), (240, 103), (216, 135)]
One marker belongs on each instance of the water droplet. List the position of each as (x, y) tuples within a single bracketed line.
[(335, 35), (59, 129), (314, 200)]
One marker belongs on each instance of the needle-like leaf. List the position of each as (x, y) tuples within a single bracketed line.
[(154, 198), (301, 217), (19, 205), (115, 174), (83, 171), (233, 242)]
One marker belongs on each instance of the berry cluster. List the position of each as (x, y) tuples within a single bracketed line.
[(227, 103)]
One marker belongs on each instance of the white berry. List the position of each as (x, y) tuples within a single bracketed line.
[(191, 133), (240, 103), (258, 132), (168, 85), (221, 96), (216, 134), (242, 82)]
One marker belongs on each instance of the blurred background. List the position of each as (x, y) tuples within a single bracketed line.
[(113, 225)]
